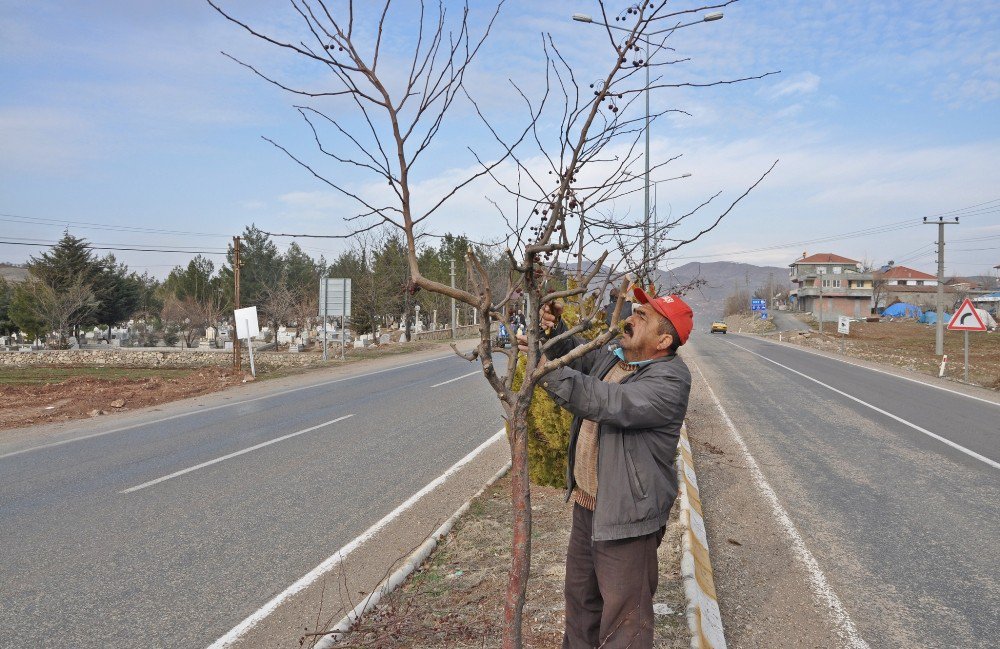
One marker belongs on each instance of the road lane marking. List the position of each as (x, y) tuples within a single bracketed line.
[(232, 455), (872, 369), (223, 405), (335, 559), (817, 580), (944, 440), (457, 378)]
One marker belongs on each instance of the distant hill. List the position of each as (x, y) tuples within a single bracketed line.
[(13, 273), (721, 278)]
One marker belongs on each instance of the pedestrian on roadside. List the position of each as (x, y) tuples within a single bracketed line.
[(609, 309), (628, 405)]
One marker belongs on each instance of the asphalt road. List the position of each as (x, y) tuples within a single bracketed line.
[(137, 538), (904, 526)]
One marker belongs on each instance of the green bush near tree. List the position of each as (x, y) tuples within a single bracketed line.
[(548, 423)]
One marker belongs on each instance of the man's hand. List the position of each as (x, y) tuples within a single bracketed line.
[(548, 318)]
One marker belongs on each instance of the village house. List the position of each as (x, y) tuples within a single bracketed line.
[(828, 285), (904, 284)]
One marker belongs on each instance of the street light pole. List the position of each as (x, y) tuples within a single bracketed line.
[(584, 18), (645, 222)]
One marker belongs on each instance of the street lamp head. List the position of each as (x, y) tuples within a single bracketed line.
[(712, 16), (584, 18)]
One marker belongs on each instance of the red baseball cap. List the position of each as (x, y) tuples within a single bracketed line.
[(671, 307)]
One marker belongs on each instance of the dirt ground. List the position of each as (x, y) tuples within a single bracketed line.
[(910, 345), (62, 394), (41, 395), (456, 598)]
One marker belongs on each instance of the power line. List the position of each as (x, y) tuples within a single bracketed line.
[(197, 252), (16, 218)]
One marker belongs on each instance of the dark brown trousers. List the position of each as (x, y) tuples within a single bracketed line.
[(609, 588)]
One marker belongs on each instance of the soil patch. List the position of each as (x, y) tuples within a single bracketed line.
[(44, 395), (910, 345), (455, 599), (41, 395)]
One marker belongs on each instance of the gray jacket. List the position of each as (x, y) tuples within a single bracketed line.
[(639, 422)]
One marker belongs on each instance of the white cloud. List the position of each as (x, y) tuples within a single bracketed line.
[(803, 83)]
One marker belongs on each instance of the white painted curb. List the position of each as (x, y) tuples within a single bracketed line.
[(411, 563), (704, 618)]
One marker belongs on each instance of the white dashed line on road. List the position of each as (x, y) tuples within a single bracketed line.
[(457, 378), (231, 455)]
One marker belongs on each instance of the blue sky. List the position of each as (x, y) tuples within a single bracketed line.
[(122, 121)]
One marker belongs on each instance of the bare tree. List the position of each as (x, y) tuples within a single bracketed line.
[(190, 315), (58, 308), (560, 213)]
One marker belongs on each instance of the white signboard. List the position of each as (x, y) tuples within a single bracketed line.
[(246, 322), (335, 297), (844, 324)]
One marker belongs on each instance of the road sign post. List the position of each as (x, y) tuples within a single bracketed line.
[(966, 319), (335, 302), (247, 327), (843, 328)]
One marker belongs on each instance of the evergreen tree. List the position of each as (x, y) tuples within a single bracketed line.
[(118, 292), (7, 325)]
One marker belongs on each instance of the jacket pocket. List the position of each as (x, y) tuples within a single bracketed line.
[(635, 482)]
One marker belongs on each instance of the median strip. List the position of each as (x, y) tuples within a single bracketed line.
[(231, 455)]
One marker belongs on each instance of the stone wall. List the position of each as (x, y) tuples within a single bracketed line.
[(466, 331), (151, 358)]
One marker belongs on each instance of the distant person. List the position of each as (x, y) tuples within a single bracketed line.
[(609, 310)]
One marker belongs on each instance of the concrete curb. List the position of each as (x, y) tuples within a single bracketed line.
[(704, 618), (411, 563)]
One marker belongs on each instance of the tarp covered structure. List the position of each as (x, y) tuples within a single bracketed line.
[(929, 317), (903, 310)]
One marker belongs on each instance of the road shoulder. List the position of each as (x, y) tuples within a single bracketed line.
[(762, 587)]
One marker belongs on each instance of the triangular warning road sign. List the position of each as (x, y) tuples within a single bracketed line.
[(966, 318)]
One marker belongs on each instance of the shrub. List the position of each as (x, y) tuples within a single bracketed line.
[(548, 423)]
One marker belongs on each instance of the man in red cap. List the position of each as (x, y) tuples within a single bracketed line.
[(628, 404)]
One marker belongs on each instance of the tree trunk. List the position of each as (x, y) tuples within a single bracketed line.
[(520, 496)]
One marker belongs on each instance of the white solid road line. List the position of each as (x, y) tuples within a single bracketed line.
[(232, 455), (944, 440), (457, 378), (224, 405), (817, 580), (873, 369), (334, 560)]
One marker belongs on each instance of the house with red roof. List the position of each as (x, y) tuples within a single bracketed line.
[(828, 286), (904, 284)]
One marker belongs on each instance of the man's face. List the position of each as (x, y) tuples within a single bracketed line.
[(641, 338)]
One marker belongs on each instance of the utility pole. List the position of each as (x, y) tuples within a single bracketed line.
[(770, 291), (821, 304), (237, 358), (453, 330), (939, 303)]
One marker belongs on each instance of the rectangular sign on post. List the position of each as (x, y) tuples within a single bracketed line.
[(335, 297), (844, 324), (758, 304), (246, 322)]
